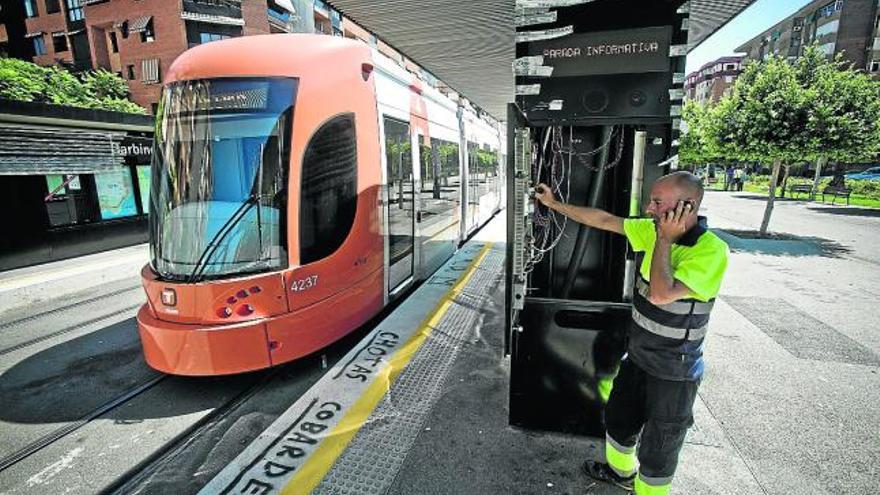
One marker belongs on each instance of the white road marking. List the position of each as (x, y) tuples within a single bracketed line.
[(53, 469)]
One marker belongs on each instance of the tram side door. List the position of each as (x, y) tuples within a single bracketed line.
[(399, 204)]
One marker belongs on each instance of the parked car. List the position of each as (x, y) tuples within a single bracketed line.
[(872, 173)]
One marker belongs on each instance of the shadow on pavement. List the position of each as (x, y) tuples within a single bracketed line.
[(782, 244), (67, 381), (760, 197), (849, 211)]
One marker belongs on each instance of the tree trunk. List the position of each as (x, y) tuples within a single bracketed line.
[(820, 162), (785, 180), (838, 180), (768, 210)]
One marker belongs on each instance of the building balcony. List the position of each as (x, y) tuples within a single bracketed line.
[(322, 9), (222, 8), (279, 21)]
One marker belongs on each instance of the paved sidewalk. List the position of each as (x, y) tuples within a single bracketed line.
[(27, 289), (793, 349)]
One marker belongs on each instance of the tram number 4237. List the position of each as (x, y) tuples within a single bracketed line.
[(304, 283)]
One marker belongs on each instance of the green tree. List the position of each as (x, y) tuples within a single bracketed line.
[(844, 106), (25, 81), (22, 81), (701, 138), (104, 84), (764, 119)]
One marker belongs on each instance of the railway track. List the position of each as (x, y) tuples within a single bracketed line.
[(92, 305), (123, 398), (56, 435), (165, 456), (78, 305), (68, 329)]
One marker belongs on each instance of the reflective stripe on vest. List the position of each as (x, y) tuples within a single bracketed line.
[(665, 331), (677, 307), (678, 320)]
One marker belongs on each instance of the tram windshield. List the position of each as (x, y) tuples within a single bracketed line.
[(220, 168)]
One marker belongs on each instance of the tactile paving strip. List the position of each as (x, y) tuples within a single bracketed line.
[(374, 457)]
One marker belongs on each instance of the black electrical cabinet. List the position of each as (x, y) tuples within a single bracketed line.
[(599, 93)]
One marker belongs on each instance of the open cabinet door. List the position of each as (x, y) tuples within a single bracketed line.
[(518, 159)]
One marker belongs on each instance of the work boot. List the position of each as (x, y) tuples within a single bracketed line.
[(603, 472)]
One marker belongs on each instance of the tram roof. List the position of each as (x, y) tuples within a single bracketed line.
[(469, 44)]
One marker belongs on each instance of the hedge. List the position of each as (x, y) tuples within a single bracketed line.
[(26, 81)]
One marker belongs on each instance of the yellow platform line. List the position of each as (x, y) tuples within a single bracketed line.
[(310, 474)]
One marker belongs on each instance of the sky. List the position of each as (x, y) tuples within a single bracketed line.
[(759, 16)]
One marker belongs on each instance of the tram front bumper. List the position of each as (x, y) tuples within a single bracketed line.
[(203, 350)]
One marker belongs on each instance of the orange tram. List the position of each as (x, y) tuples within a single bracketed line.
[(300, 184)]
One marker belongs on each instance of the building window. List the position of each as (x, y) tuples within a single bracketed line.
[(209, 37), (150, 71), (74, 10), (730, 67), (329, 189), (129, 72), (39, 45), (30, 8), (114, 42), (828, 28), (59, 42), (829, 9), (875, 66), (147, 35), (52, 6)]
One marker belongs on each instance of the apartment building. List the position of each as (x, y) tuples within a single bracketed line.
[(850, 27), (139, 39), (713, 80)]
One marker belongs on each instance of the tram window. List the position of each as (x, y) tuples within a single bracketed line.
[(439, 179), (329, 189)]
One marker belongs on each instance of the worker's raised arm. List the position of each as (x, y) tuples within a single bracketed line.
[(592, 217)]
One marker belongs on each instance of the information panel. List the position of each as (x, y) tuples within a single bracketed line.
[(143, 176), (607, 52), (115, 194)]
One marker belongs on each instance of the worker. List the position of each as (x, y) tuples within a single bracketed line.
[(653, 393)]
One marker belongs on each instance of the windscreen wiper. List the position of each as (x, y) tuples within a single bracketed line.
[(221, 234)]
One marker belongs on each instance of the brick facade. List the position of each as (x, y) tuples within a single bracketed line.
[(713, 80), (170, 41), (255, 19), (130, 52), (48, 24)]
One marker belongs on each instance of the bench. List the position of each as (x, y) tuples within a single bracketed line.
[(835, 192), (800, 189)]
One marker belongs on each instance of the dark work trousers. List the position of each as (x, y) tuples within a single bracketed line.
[(662, 410)]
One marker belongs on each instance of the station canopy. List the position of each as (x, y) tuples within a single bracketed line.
[(469, 44)]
